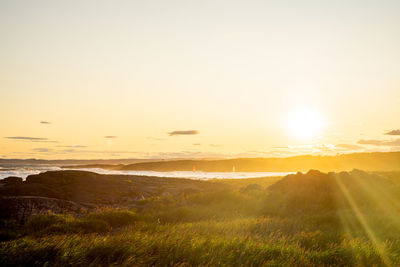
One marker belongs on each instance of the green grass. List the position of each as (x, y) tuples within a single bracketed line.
[(228, 228), (97, 222), (240, 242)]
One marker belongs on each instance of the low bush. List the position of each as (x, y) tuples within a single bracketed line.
[(40, 222), (115, 218), (96, 222)]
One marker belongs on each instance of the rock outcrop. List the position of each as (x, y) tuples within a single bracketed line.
[(74, 191), (21, 207)]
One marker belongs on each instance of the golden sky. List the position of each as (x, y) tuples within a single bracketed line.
[(142, 79)]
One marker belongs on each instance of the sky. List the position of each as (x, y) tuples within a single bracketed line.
[(203, 79)]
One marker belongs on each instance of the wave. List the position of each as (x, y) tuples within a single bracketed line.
[(23, 172)]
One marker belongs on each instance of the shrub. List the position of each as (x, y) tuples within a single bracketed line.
[(83, 225), (42, 221), (115, 218), (7, 234), (89, 225), (98, 222)]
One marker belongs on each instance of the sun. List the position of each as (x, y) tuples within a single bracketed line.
[(304, 123)]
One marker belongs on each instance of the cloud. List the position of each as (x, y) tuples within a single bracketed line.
[(197, 144), (155, 138), (42, 150), (31, 139), (45, 122), (214, 145), (393, 132), (349, 146), (83, 151), (26, 138), (374, 142), (188, 155), (188, 132), (110, 136), (73, 146), (316, 149)]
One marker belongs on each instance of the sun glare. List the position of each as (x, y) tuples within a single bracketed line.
[(304, 123)]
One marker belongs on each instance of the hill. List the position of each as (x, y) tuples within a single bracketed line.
[(378, 161)]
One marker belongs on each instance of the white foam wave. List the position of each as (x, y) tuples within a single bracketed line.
[(23, 172), (193, 175)]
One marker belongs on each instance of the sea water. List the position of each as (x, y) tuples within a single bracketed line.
[(24, 171)]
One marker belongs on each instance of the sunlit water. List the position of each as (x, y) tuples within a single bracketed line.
[(24, 171)]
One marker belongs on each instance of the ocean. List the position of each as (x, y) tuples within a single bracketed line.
[(24, 170)]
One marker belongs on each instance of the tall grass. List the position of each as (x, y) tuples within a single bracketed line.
[(241, 242), (227, 228)]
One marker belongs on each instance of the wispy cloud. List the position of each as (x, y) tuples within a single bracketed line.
[(42, 150), (197, 144), (31, 139), (110, 136), (318, 149), (188, 132), (155, 138), (45, 122), (349, 146), (187, 154), (215, 145), (73, 146), (393, 132), (80, 151), (374, 142), (26, 138), (84, 151)]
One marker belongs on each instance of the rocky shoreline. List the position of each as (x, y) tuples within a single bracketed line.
[(81, 191)]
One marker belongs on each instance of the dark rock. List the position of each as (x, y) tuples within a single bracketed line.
[(20, 208), (53, 189), (11, 180)]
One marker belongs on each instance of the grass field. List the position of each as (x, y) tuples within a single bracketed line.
[(348, 219)]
